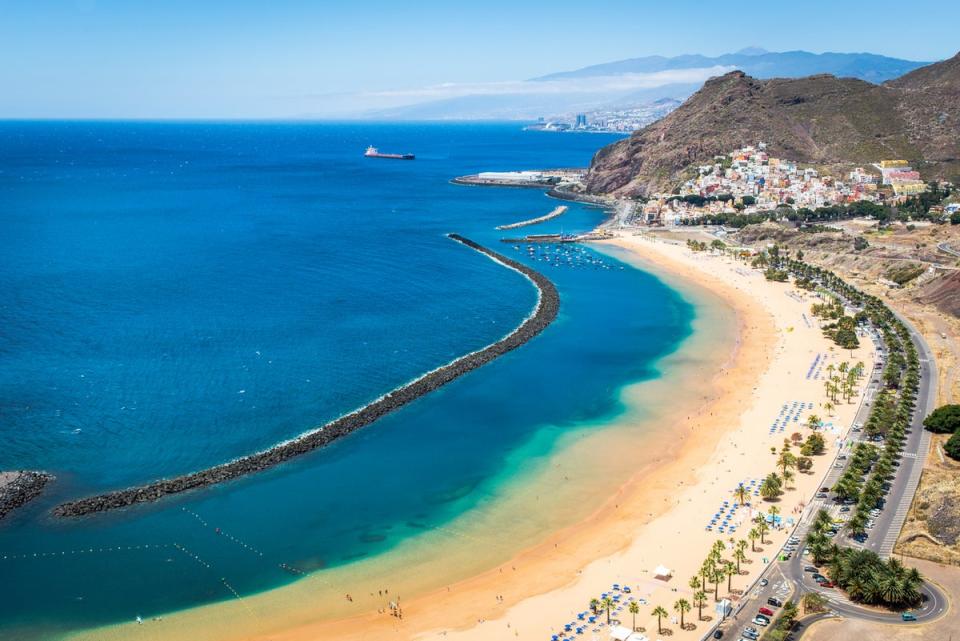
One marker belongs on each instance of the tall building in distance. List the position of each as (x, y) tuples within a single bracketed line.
[(581, 121)]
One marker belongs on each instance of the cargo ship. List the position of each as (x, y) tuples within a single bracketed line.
[(372, 152)]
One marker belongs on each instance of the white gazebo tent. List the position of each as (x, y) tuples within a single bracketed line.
[(623, 633), (663, 573)]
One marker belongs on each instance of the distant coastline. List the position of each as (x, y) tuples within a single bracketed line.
[(547, 307)]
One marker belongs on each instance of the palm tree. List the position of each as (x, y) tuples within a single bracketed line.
[(705, 571), (786, 461), (634, 609), (770, 487), (715, 578), (813, 422), (762, 527), (718, 547), (594, 605), (659, 612), (774, 513), (787, 476), (829, 406), (814, 602), (742, 494), (739, 555), (729, 570), (682, 606), (822, 520), (753, 535), (700, 598), (607, 605)]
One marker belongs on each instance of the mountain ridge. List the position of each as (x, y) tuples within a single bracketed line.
[(819, 119), (759, 63)]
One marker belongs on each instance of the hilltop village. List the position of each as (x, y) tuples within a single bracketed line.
[(750, 181)]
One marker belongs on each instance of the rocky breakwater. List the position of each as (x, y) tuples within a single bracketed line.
[(547, 306), (19, 488)]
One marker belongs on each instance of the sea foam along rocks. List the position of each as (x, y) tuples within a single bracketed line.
[(19, 488), (547, 307)]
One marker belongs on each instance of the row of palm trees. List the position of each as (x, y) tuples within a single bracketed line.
[(862, 573), (682, 606)]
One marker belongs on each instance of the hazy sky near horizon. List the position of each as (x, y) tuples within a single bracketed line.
[(240, 58)]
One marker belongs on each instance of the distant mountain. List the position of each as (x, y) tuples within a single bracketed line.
[(636, 82), (530, 106), (818, 119), (759, 63)]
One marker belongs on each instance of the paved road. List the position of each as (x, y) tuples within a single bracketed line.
[(788, 579), (915, 450), (944, 247)]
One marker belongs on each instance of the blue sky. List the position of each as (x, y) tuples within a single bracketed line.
[(207, 58)]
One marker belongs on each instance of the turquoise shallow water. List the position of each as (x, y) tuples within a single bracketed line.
[(176, 294)]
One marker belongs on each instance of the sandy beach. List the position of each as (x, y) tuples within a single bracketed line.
[(718, 436)]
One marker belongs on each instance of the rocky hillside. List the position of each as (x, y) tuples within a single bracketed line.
[(818, 119)]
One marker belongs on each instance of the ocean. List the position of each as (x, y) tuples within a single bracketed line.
[(176, 294)]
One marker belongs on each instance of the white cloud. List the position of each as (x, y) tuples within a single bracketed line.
[(597, 88), (592, 84)]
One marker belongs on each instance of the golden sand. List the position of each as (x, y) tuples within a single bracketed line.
[(712, 422)]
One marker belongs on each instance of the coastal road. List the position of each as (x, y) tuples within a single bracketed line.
[(884, 535), (787, 579), (907, 477)]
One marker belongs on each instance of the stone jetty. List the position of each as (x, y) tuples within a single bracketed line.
[(557, 211), (19, 488), (548, 304)]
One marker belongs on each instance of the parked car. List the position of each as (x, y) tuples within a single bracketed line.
[(762, 621), (764, 582), (718, 634), (818, 577), (766, 611), (809, 568), (752, 636), (845, 508), (828, 584), (774, 602), (908, 616)]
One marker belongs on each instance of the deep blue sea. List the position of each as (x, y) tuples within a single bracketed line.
[(173, 295)]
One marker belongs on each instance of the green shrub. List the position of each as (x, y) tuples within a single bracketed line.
[(943, 420), (952, 446), (903, 274)]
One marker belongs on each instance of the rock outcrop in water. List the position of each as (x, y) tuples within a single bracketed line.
[(19, 488), (548, 304)]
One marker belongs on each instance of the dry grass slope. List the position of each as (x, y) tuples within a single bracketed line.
[(820, 119)]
